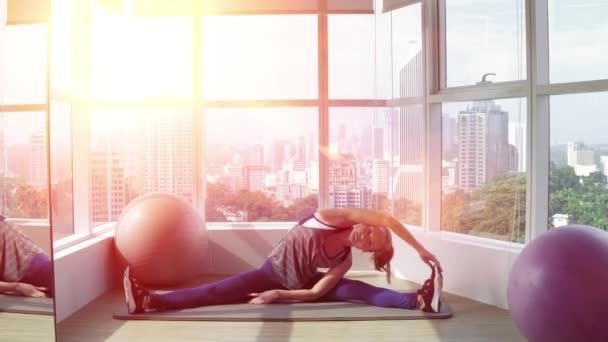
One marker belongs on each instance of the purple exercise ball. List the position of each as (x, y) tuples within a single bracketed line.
[(558, 286), (160, 236)]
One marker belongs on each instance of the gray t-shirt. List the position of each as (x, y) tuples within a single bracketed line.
[(298, 255)]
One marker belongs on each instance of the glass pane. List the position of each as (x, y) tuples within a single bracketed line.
[(23, 167), (260, 57), (61, 45), (157, 157), (62, 204), (352, 57), (484, 168), (578, 186), (577, 40), (23, 64), (485, 37), (261, 164), (376, 160), (407, 51), (136, 57)]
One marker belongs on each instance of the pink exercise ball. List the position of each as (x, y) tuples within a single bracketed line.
[(160, 236)]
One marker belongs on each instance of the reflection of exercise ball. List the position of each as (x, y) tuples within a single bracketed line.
[(558, 286), (159, 235)]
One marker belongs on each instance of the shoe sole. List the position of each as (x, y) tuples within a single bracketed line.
[(438, 284), (128, 294)]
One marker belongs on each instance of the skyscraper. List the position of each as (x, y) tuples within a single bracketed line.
[(167, 154), (483, 145), (38, 169), (108, 186), (380, 176), (378, 143), (343, 170), (408, 181)]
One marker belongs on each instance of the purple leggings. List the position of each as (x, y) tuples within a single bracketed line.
[(236, 289)]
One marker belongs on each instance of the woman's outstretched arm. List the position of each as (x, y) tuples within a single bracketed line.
[(342, 217), (23, 289), (324, 285)]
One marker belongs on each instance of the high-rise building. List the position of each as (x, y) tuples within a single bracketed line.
[(108, 186), (483, 145), (579, 154), (233, 178), (341, 196), (449, 137), (378, 143), (256, 155), (343, 170), (276, 154), (254, 178), (167, 154), (408, 180), (313, 177), (380, 176), (38, 168), (604, 161), (288, 193), (300, 147)]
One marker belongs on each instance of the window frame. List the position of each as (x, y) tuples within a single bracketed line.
[(535, 88)]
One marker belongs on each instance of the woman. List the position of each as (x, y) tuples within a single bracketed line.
[(24, 268), (322, 240)]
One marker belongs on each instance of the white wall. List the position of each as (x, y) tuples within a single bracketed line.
[(84, 272), (38, 232), (470, 269)]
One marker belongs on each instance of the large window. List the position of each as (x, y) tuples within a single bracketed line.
[(578, 186), (135, 152), (23, 166), (260, 57), (261, 164), (484, 37), (407, 73), (352, 57), (376, 160), (577, 40), (23, 64), (134, 58), (484, 168), (23, 131)]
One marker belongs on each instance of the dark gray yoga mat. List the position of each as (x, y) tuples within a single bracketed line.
[(26, 305), (326, 311)]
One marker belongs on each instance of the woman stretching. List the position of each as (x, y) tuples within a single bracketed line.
[(322, 240), (24, 268)]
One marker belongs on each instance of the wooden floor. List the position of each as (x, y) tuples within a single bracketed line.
[(472, 321), (26, 327)]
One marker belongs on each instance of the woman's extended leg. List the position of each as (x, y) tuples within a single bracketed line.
[(354, 290), (40, 273), (227, 291)]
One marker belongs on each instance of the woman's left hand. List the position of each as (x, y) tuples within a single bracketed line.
[(265, 297), (430, 259)]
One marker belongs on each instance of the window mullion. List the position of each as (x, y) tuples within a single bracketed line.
[(323, 112), (432, 71), (538, 120)]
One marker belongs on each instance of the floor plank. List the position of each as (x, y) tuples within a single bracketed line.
[(26, 327)]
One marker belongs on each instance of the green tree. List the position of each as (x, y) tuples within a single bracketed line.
[(20, 199), (584, 199), (499, 208)]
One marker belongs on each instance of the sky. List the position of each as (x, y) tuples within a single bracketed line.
[(136, 58)]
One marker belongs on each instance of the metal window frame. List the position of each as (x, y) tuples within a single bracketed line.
[(535, 88)]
